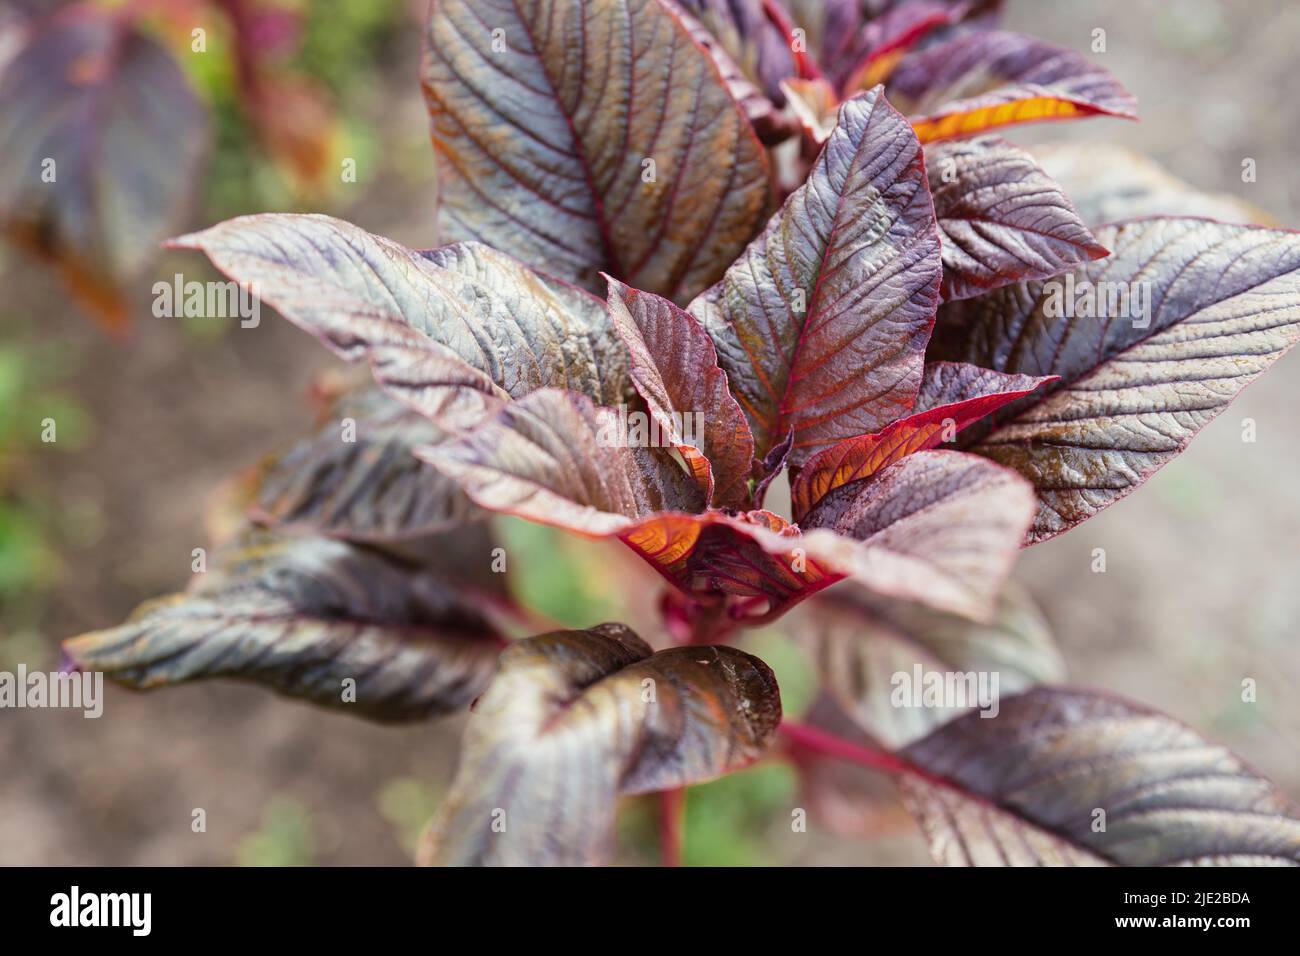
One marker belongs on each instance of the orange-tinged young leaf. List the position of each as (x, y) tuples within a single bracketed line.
[(953, 396), (986, 80), (821, 325)]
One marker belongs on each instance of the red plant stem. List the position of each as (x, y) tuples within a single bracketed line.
[(832, 746), (672, 811), (708, 623)]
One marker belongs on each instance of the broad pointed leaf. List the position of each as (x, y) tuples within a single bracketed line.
[(302, 616), (936, 527), (942, 528), (554, 458), (1001, 218), (867, 648), (545, 115), (1151, 344), (101, 140), (576, 718), (985, 80), (953, 395), (675, 368), (1026, 788), (358, 478), (453, 330), (821, 325)]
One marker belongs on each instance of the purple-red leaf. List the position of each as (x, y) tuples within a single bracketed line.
[(821, 325), (454, 331), (752, 55), (589, 137), (953, 395), (938, 527), (751, 38), (1001, 218), (675, 369), (576, 718), (101, 141), (370, 488), (302, 615), (1150, 344), (1031, 786), (862, 643), (984, 80), (555, 458)]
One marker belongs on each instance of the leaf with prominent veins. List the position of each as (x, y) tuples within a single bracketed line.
[(1150, 344), (453, 330), (675, 368), (371, 488), (576, 718), (938, 527), (862, 642), (1001, 218), (988, 79), (546, 114), (753, 41), (953, 396), (1026, 789), (821, 325), (302, 616), (555, 458)]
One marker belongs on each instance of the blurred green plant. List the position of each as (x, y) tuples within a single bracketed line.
[(285, 837)]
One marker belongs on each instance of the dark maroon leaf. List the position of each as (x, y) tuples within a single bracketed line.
[(358, 478), (1001, 219), (555, 458), (1150, 343), (588, 137), (936, 527), (862, 643), (942, 528), (1065, 777), (454, 331), (984, 80), (576, 718), (303, 616), (953, 396), (101, 140), (821, 324), (675, 369)]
